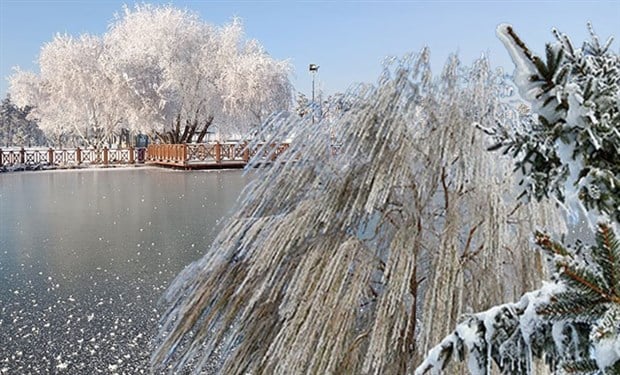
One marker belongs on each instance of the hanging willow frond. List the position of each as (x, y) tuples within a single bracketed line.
[(342, 253)]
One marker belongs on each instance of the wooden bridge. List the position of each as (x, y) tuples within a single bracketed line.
[(213, 155)]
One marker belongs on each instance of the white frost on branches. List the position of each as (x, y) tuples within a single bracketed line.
[(155, 65), (574, 95), (572, 151), (476, 334), (374, 231)]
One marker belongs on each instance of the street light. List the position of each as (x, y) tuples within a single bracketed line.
[(313, 68)]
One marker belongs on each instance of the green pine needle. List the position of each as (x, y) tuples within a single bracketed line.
[(551, 247), (572, 306), (606, 254), (584, 279), (583, 367)]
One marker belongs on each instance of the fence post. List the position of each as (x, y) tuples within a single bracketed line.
[(105, 155), (50, 157), (246, 152), (1, 163), (131, 158), (78, 156), (274, 151), (184, 154), (218, 152), (22, 156)]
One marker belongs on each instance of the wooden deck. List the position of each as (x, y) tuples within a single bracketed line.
[(198, 165), (214, 155)]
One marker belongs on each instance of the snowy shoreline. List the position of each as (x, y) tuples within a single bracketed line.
[(48, 168)]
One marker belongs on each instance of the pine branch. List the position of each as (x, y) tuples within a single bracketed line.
[(606, 254), (572, 306), (582, 367), (520, 43), (553, 248), (496, 330), (579, 275), (608, 324), (584, 279)]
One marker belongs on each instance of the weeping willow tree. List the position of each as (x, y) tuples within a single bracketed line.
[(368, 239)]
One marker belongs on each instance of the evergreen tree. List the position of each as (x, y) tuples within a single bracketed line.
[(302, 105), (569, 152), (572, 323), (8, 117), (16, 128), (570, 149)]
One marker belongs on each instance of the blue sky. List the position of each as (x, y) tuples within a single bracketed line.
[(348, 39)]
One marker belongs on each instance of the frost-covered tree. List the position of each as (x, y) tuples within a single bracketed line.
[(570, 151), (9, 116), (28, 89), (336, 261), (179, 75), (254, 85), (155, 54), (302, 104), (158, 70), (73, 95)]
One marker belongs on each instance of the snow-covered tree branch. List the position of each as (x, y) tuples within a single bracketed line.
[(570, 151), (571, 323)]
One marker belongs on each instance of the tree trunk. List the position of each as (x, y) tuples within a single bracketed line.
[(203, 132), (174, 136), (185, 132)]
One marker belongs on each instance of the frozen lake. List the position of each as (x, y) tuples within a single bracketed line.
[(85, 256)]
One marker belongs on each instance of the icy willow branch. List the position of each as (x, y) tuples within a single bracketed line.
[(315, 273)]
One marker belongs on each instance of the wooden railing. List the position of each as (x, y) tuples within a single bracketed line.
[(28, 157), (191, 155), (216, 153)]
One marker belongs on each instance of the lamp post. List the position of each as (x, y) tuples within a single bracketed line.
[(313, 68)]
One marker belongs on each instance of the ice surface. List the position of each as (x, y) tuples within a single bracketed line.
[(72, 304)]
